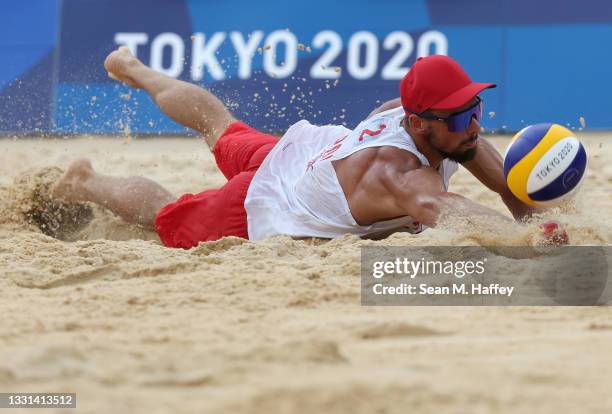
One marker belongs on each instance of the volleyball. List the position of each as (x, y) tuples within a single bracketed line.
[(544, 164)]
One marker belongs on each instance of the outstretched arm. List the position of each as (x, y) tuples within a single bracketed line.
[(488, 167), (421, 194)]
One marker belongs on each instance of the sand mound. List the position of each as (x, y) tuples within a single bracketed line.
[(27, 204)]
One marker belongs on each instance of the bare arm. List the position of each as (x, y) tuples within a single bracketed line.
[(394, 103), (420, 193), (488, 167)]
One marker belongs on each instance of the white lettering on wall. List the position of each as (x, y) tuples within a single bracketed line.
[(204, 56), (246, 51), (279, 53), (289, 64), (131, 40), (177, 54)]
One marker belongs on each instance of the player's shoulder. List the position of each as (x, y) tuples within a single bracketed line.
[(390, 113), (389, 165), (400, 171), (383, 122), (398, 159)]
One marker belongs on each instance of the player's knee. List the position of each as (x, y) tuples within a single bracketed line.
[(212, 131)]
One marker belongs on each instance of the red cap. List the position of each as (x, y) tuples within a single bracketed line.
[(437, 82)]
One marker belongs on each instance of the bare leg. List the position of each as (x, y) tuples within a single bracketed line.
[(135, 199), (138, 199), (185, 103)]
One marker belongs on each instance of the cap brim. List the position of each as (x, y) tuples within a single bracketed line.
[(462, 96)]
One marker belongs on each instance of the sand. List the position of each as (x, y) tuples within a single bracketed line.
[(275, 326)]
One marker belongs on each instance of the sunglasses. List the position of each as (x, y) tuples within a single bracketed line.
[(460, 121)]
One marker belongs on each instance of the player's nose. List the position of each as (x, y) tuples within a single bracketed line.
[(473, 128)]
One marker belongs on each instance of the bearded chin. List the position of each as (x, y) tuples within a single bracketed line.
[(464, 156), (460, 157)]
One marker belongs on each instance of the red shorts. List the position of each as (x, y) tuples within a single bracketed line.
[(213, 214)]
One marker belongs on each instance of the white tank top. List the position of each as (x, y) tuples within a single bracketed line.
[(296, 191)]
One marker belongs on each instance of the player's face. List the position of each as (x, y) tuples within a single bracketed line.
[(457, 146)]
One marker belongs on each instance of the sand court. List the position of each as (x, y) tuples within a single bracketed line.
[(103, 310)]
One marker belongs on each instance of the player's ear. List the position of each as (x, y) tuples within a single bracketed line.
[(416, 123)]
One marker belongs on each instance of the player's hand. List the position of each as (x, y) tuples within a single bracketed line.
[(553, 233)]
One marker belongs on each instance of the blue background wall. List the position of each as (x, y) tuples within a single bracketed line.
[(551, 59)]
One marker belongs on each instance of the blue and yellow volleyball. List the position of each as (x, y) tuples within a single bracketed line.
[(544, 164)]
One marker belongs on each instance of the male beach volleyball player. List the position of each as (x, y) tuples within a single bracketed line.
[(390, 173)]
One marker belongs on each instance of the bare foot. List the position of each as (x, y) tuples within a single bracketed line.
[(118, 63), (70, 186)]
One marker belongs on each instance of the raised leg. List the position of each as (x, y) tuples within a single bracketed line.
[(185, 103), (135, 199)]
